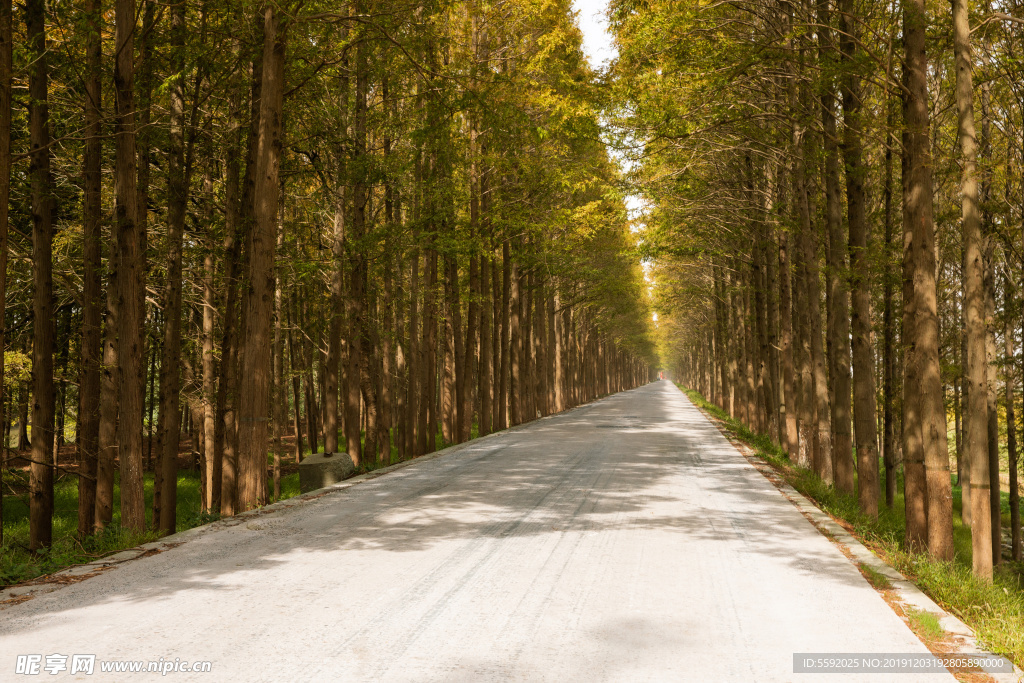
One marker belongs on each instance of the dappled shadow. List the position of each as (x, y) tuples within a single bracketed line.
[(640, 461)]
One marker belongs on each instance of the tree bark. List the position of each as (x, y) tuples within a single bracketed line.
[(864, 409), (130, 272), (976, 372), (92, 253), (1011, 418), (504, 379), (927, 390), (254, 387), (177, 191), (888, 324), (42, 464)]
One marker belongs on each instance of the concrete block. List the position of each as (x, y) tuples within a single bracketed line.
[(324, 469)]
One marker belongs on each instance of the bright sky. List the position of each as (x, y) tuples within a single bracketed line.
[(597, 42)]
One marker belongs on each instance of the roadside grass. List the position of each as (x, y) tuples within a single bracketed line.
[(18, 564), (876, 578), (994, 610), (925, 624)]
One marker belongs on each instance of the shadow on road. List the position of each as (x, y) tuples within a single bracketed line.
[(644, 459)]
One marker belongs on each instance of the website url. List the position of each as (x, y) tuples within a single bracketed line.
[(33, 665)]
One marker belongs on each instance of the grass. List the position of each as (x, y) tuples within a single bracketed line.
[(994, 610), (876, 578), (925, 624), (17, 563)]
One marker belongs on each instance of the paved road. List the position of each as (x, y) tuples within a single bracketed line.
[(622, 541)]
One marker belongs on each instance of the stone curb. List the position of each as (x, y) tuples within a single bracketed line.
[(51, 582)]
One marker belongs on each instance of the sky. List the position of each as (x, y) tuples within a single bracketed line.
[(597, 42)]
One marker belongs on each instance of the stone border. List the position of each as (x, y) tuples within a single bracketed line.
[(48, 583), (961, 636)]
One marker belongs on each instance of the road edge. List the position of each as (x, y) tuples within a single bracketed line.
[(48, 583), (904, 590)]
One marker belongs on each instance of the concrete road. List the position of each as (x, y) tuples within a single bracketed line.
[(622, 541)]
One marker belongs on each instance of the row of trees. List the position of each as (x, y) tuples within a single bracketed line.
[(837, 241), (396, 218)]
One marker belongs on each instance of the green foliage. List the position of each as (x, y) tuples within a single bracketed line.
[(17, 369)]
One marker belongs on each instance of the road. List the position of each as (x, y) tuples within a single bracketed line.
[(625, 540)]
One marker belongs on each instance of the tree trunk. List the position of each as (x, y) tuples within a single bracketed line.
[(92, 252), (1011, 419), (976, 372), (515, 389), (41, 468), (336, 321), (864, 409), (504, 379), (414, 363), (177, 191), (888, 325), (428, 381), (254, 387), (130, 273), (926, 392)]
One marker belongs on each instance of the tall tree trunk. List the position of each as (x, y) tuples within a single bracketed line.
[(841, 459), (888, 323), (976, 418), (414, 362), (223, 490), (280, 393), (515, 388), (336, 318), (293, 361), (927, 390), (177, 191), (486, 368), (41, 469), (504, 379), (6, 73), (788, 370), (430, 384), (254, 386), (1011, 418), (821, 429), (358, 259), (458, 341), (92, 252), (471, 350), (989, 236), (336, 321), (864, 409), (211, 473), (130, 273)]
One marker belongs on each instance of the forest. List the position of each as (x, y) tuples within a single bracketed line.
[(836, 215), (235, 233)]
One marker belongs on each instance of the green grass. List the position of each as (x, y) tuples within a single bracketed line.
[(18, 564), (876, 578), (925, 624), (994, 610)]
